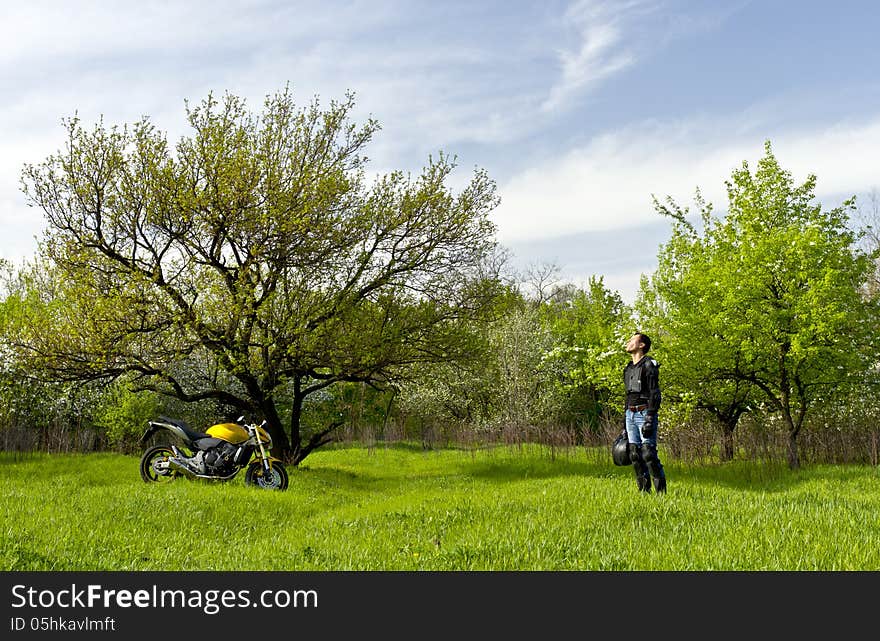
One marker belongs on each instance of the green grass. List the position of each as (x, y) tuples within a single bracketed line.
[(399, 508)]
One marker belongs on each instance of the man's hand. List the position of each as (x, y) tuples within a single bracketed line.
[(650, 426)]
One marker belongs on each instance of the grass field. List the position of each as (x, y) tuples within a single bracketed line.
[(401, 508)]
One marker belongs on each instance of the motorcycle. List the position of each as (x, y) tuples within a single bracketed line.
[(218, 454)]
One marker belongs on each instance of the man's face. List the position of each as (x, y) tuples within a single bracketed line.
[(634, 344)]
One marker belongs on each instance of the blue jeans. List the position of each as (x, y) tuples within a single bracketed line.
[(635, 421)]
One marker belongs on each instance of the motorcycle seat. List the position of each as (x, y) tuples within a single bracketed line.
[(191, 433)]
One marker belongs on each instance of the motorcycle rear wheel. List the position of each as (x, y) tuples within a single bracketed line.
[(276, 480), (156, 453)]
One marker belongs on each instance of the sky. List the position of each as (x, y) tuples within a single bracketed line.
[(580, 111)]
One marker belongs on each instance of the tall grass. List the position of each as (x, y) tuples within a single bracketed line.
[(403, 508)]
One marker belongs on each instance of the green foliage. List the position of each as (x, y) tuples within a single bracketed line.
[(26, 401), (589, 329), (525, 391), (364, 407), (763, 305), (471, 391), (390, 509), (123, 414), (555, 361), (454, 394)]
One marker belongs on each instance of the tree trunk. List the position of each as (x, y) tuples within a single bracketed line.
[(727, 448), (280, 444), (298, 450), (794, 428), (794, 462), (728, 418)]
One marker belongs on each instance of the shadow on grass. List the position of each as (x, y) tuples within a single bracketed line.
[(763, 476), (746, 476), (487, 466), (346, 481), (513, 470), (400, 446)]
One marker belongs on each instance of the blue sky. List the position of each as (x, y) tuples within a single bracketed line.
[(579, 110)]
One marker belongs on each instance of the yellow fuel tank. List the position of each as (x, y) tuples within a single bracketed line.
[(231, 432), (235, 433)]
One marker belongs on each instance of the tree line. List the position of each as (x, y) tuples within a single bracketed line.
[(252, 268)]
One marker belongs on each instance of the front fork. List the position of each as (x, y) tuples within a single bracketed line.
[(267, 466), (264, 458)]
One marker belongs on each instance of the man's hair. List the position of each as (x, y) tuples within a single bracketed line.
[(644, 338)]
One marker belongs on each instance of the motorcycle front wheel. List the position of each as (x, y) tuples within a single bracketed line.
[(156, 454), (275, 479)]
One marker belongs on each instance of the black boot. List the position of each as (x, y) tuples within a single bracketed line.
[(641, 470), (654, 466)]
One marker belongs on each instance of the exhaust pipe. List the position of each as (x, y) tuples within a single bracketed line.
[(180, 465)]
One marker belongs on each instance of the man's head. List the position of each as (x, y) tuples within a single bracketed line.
[(638, 343)]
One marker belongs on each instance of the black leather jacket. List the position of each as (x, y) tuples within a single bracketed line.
[(642, 381)]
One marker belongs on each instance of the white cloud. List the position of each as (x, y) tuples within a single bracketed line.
[(600, 48), (51, 30), (608, 183), (595, 60)]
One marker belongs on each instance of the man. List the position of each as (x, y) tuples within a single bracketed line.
[(642, 381)]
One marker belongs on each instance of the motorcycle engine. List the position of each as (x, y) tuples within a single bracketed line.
[(219, 459)]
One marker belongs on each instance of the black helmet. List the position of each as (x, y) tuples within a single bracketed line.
[(620, 450)]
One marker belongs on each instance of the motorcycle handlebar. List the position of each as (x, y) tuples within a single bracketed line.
[(242, 421)]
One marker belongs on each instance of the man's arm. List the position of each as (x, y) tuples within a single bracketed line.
[(652, 382)]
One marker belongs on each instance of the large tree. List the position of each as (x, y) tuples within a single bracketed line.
[(767, 299), (253, 259)]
